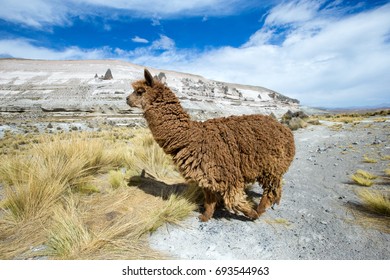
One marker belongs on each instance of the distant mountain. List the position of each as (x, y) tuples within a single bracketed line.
[(4, 55), (79, 87), (360, 109)]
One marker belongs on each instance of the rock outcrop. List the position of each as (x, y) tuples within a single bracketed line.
[(108, 75)]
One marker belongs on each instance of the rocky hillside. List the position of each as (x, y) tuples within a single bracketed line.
[(100, 87)]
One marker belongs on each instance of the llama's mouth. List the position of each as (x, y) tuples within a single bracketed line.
[(128, 101), (133, 102)]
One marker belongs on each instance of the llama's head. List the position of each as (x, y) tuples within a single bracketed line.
[(141, 88)]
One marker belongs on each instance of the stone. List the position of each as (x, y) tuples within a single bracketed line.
[(108, 75)]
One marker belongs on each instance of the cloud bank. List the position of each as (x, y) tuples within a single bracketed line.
[(322, 58), (44, 13)]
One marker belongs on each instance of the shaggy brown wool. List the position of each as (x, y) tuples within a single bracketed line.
[(221, 155)]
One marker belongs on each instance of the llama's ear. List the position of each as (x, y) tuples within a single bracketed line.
[(148, 78)]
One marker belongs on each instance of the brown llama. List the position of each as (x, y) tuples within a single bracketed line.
[(221, 155)]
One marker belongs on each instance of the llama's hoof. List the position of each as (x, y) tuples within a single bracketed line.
[(253, 215), (260, 211), (203, 218)]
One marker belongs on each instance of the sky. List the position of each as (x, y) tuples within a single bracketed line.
[(324, 53)]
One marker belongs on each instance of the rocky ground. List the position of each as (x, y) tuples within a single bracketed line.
[(317, 217)]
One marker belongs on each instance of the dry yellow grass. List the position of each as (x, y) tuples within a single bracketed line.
[(278, 221), (364, 178), (361, 180), (368, 159), (373, 210), (366, 174), (145, 154), (116, 179), (386, 157), (34, 181), (343, 118), (336, 127), (65, 196), (375, 201), (354, 117)]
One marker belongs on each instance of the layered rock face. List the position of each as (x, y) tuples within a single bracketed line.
[(101, 87)]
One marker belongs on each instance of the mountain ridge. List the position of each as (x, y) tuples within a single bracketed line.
[(75, 86)]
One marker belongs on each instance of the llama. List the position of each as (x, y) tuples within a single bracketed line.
[(221, 155)]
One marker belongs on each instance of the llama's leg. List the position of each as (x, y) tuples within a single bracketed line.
[(264, 204), (272, 194), (247, 210), (278, 193), (238, 203), (210, 201)]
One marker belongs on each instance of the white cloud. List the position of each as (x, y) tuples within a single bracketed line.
[(107, 27), (46, 13), (22, 48), (160, 52), (174, 8), (323, 60), (138, 39), (164, 43), (155, 22), (35, 13), (293, 12)]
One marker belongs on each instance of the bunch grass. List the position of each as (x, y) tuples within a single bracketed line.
[(66, 196)]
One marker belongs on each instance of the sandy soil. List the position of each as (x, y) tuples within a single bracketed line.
[(316, 218)]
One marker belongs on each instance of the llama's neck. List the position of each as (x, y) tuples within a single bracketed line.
[(167, 120)]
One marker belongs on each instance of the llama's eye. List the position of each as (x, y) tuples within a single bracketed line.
[(140, 91)]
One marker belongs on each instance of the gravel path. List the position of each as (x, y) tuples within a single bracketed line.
[(314, 220)]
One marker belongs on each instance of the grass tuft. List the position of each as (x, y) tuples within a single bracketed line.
[(375, 201), (367, 159), (373, 211), (386, 157), (67, 195), (68, 234), (366, 174), (360, 180), (145, 154), (116, 179), (176, 209)]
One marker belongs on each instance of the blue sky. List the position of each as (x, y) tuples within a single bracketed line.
[(324, 53)]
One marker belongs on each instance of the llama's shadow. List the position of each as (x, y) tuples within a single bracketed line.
[(155, 187), (152, 186)]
